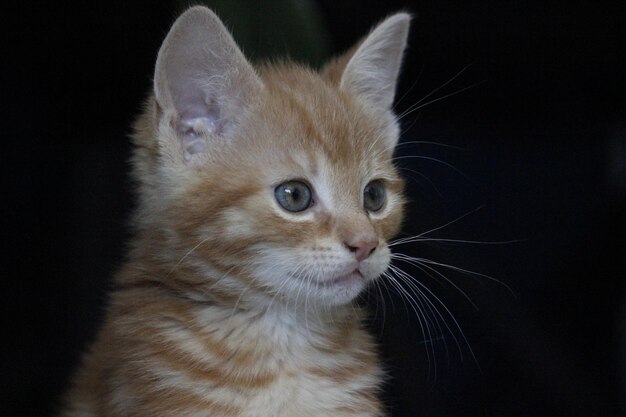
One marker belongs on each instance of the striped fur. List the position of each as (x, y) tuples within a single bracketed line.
[(229, 305)]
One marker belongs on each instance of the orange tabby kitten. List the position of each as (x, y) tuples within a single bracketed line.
[(267, 198)]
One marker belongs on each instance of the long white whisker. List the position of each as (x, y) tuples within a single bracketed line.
[(397, 241), (435, 314), (189, 252), (422, 142), (411, 108), (428, 158), (468, 272), (377, 284), (423, 323), (454, 93), (432, 184), (417, 262), (398, 101), (475, 242), (449, 313)]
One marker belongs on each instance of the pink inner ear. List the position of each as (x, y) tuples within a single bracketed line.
[(199, 119), (194, 133), (195, 126), (197, 109)]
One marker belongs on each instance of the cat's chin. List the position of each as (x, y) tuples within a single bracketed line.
[(355, 278), (342, 289)]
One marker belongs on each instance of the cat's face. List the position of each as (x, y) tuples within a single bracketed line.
[(283, 190), (302, 199)]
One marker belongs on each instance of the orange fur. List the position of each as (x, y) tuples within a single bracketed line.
[(195, 326)]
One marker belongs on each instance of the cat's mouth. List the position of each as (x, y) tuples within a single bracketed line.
[(344, 280)]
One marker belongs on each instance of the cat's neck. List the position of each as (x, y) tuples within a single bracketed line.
[(249, 319), (282, 327)]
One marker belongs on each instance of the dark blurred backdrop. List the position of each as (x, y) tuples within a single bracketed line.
[(537, 142)]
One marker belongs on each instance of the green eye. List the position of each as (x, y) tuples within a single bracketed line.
[(293, 196), (374, 195)]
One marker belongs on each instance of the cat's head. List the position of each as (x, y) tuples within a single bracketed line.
[(274, 183)]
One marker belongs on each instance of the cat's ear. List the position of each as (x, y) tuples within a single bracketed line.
[(372, 69), (202, 80)]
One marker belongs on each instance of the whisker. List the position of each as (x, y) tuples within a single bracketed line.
[(475, 242), (435, 314), (420, 265), (428, 158), (398, 101), (285, 282), (397, 241), (454, 93), (189, 252), (432, 184), (452, 317), (423, 323), (408, 128), (468, 272), (247, 287), (377, 284), (410, 109), (423, 142)]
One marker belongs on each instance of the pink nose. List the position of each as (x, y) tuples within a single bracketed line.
[(362, 249)]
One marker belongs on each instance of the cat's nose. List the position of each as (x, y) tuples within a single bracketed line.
[(362, 249)]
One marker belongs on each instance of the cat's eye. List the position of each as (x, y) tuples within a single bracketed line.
[(293, 196), (374, 195)]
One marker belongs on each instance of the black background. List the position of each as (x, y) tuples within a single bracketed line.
[(542, 156)]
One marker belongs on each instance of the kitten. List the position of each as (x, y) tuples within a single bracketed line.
[(267, 198)]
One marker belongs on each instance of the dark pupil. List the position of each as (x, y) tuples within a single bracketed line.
[(294, 193), (373, 193)]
